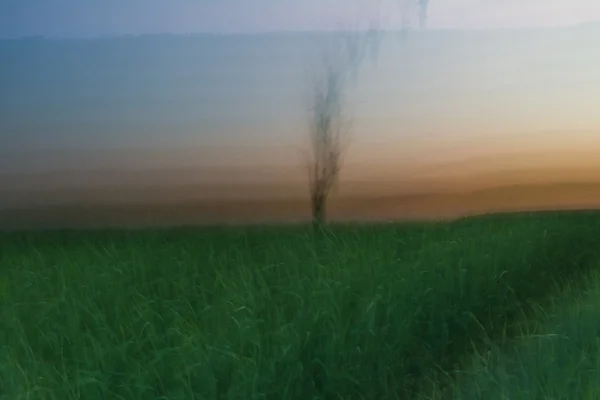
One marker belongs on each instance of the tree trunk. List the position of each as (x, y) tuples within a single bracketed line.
[(318, 210)]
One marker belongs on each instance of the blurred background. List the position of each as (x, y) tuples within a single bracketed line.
[(156, 112)]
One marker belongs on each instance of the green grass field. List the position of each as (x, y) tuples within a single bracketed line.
[(487, 307), (556, 354)]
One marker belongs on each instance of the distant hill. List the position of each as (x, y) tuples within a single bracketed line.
[(97, 213)]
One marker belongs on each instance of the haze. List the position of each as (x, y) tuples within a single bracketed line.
[(93, 18), (148, 102)]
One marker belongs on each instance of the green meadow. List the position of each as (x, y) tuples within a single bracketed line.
[(555, 354), (503, 306)]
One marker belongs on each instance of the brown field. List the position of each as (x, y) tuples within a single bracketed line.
[(239, 211)]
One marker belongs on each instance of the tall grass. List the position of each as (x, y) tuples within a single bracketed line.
[(556, 354), (359, 312)]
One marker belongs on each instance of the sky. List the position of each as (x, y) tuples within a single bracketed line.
[(92, 18), (472, 102)]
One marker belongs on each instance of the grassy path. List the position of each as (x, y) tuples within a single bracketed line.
[(556, 354)]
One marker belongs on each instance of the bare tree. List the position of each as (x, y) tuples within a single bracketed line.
[(326, 139), (328, 124)]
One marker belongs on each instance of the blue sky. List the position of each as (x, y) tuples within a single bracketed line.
[(131, 106), (89, 18)]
